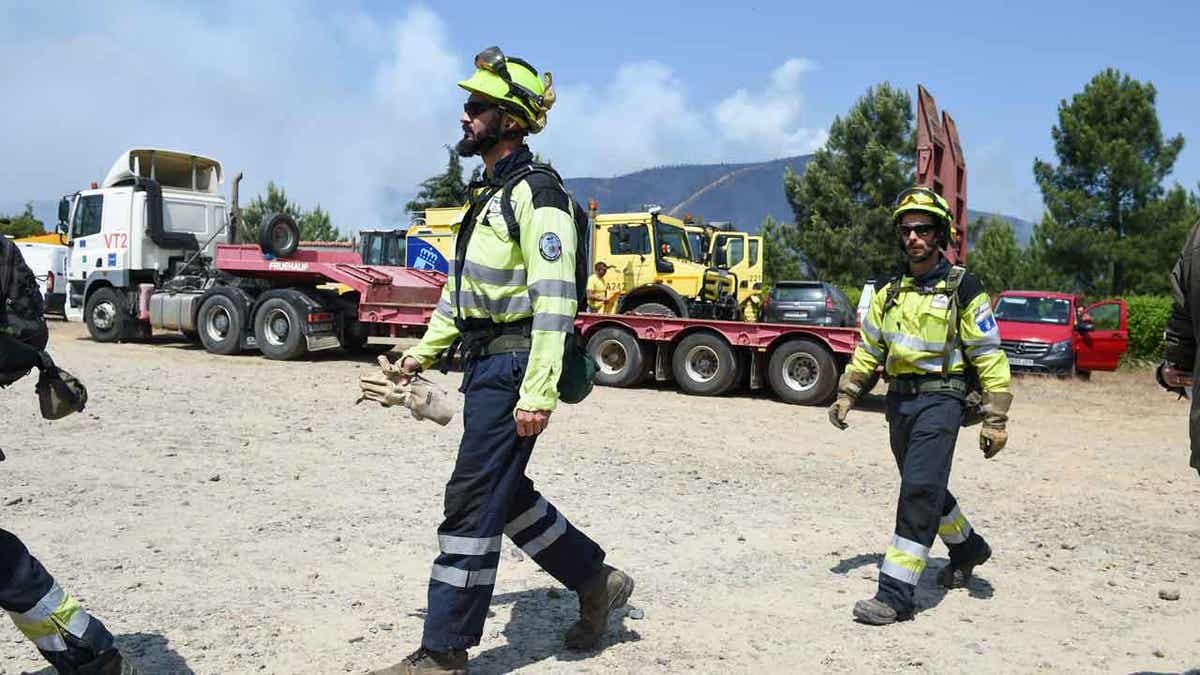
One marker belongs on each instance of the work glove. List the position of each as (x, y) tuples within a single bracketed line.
[(850, 387), (59, 393), (392, 386), (994, 434)]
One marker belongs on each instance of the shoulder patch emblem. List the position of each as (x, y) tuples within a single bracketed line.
[(550, 246), (984, 319)]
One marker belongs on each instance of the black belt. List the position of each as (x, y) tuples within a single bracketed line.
[(931, 384), (478, 338)]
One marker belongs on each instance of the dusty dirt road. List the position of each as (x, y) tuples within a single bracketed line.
[(238, 515)]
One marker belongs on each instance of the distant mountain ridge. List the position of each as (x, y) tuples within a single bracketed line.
[(744, 194)]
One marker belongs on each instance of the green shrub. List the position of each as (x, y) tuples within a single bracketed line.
[(853, 294), (1147, 320)]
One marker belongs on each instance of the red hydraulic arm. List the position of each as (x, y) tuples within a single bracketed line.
[(942, 166)]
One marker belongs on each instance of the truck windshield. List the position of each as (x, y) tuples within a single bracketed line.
[(1034, 310), (697, 248), (672, 241)]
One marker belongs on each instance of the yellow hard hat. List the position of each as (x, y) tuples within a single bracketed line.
[(514, 85), (921, 198)]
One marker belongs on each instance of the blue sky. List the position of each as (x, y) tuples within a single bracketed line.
[(349, 106)]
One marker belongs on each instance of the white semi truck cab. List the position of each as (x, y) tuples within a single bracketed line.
[(155, 211)]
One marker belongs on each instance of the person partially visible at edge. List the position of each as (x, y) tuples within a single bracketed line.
[(1180, 357), (599, 299), (929, 328), (512, 303), (71, 639)]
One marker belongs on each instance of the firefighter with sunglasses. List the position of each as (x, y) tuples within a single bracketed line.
[(510, 303), (932, 330)]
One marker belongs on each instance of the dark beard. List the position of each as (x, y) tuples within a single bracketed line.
[(470, 146)]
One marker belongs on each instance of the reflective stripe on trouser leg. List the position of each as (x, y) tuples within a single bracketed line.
[(953, 527), (545, 535), (905, 560), (487, 487), (56, 613), (45, 613), (923, 431)]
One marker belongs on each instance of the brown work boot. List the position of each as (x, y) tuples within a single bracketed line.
[(876, 612), (428, 661), (598, 597)]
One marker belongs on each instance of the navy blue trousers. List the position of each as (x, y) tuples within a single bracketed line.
[(923, 430), (40, 607), (489, 496)]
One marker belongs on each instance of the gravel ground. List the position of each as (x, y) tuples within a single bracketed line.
[(238, 515)]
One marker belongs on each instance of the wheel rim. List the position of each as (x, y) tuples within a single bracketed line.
[(612, 357), (218, 324), (281, 237), (104, 315), (702, 363), (276, 327), (801, 371)]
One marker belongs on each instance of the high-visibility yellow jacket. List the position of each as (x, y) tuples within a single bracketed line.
[(911, 335), (506, 280)]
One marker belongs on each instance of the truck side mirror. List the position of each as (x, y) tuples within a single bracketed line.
[(64, 212), (664, 266)]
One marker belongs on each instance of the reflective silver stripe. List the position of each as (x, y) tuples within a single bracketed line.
[(443, 307), (490, 275), (44, 607), (552, 288), (539, 543), (515, 304), (51, 643), (990, 338), (866, 347), (468, 545), (982, 351), (902, 573), (956, 536), (555, 322), (933, 364), (463, 578), (870, 330), (913, 342), (78, 623), (910, 547), (529, 517)]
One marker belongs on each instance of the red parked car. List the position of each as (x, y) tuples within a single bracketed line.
[(1057, 333)]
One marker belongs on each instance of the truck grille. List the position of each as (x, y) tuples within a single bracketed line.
[(1024, 349)]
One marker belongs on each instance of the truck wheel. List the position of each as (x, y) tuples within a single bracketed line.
[(222, 325), (279, 330), (653, 309), (106, 314), (802, 372), (619, 355), (279, 235), (704, 365)]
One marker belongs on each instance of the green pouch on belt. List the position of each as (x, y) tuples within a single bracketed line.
[(578, 372)]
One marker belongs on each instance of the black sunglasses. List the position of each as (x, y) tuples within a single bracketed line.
[(922, 229), (477, 108)]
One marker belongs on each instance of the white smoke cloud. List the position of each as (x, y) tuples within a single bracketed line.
[(342, 109)]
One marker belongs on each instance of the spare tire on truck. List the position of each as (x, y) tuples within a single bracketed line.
[(279, 235)]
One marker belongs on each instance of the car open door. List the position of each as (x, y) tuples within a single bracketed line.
[(1101, 344)]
